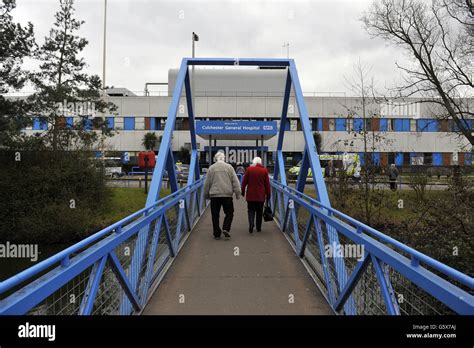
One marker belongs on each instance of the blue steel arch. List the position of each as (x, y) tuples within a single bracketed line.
[(310, 156)]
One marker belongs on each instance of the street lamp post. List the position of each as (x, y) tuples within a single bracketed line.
[(104, 52), (195, 38), (104, 48)]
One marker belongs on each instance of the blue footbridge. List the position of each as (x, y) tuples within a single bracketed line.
[(162, 259)]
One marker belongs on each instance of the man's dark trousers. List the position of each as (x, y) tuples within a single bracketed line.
[(228, 207)]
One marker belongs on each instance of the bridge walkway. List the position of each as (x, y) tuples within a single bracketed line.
[(265, 277)]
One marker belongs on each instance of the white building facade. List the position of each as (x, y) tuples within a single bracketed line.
[(404, 133)]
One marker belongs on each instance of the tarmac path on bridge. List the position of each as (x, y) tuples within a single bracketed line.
[(263, 279)]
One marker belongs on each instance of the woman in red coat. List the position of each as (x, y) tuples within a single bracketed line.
[(257, 183)]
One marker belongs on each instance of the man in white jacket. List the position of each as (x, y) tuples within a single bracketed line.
[(220, 185)]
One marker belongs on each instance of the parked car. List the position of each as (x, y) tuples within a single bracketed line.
[(112, 166)]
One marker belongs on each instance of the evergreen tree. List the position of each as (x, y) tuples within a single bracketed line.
[(63, 89), (16, 43)]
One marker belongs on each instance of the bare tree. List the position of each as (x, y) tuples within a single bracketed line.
[(367, 109), (439, 39)]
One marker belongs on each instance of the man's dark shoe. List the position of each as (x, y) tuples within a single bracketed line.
[(259, 230), (217, 237), (226, 233), (251, 229)]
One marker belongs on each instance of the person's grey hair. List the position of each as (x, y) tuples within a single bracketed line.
[(256, 160), (219, 156)]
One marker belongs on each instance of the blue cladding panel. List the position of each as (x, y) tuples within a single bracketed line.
[(358, 124), (468, 159), (383, 125), (399, 159), (376, 158), (39, 124), (69, 122), (152, 123), (427, 125), (402, 125), (87, 124), (110, 122), (437, 159), (129, 123), (362, 158), (341, 124), (468, 123)]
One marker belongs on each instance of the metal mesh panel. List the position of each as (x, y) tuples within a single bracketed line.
[(66, 300), (109, 295), (367, 294), (330, 262), (162, 252), (313, 257), (413, 300)]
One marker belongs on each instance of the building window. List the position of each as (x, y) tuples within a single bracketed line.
[(390, 125), (428, 158), (416, 159), (182, 124), (406, 158), (368, 124), (293, 125), (413, 126), (316, 124), (129, 123), (331, 124), (110, 122), (162, 123), (391, 158)]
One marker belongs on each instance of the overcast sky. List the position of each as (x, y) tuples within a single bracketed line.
[(146, 38)]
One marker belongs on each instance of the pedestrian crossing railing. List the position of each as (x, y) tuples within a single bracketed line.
[(383, 275), (115, 270)]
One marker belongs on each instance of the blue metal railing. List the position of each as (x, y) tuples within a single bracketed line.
[(401, 279), (94, 276)]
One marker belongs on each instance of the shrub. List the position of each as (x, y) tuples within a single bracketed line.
[(49, 196)]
